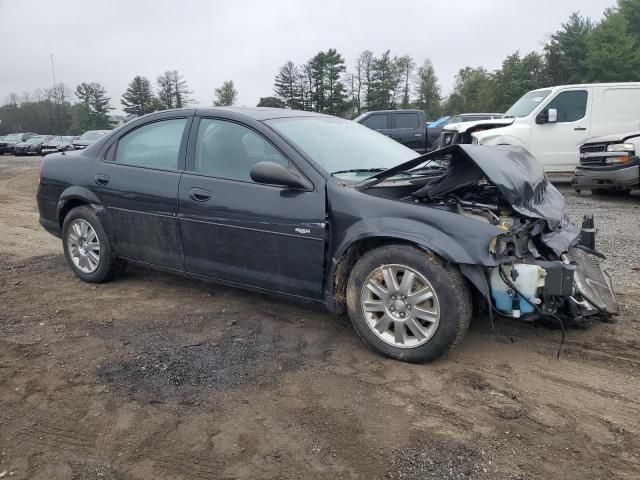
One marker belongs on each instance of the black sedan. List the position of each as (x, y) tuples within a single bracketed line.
[(327, 211), (58, 144), (8, 142), (33, 146)]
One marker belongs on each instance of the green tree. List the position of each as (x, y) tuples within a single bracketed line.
[(93, 113), (273, 102), (471, 91), (226, 94), (288, 86), (516, 77), (613, 54), (359, 84), (138, 99), (335, 100), (383, 83), (630, 10), (566, 51), (428, 93), (173, 91)]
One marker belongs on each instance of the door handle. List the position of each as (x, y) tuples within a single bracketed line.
[(101, 179), (199, 194), (580, 128)]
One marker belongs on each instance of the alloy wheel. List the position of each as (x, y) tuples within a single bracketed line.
[(84, 246), (400, 306)]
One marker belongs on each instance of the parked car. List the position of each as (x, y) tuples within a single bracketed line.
[(87, 138), (8, 143), (32, 146), (435, 128), (405, 126), (321, 209), (553, 122), (58, 144), (609, 164)]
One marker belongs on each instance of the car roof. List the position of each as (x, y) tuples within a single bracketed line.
[(475, 114), (259, 113)]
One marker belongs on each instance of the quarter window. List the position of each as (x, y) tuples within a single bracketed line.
[(229, 150), (571, 105), (155, 145), (407, 120), (376, 122)]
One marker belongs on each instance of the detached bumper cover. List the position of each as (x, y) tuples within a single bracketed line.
[(613, 177)]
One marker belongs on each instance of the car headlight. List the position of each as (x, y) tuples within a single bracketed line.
[(621, 147)]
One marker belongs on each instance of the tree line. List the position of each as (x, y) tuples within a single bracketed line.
[(580, 51)]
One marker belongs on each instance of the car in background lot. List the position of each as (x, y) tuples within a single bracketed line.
[(58, 144), (407, 127), (8, 143), (32, 146), (609, 165), (434, 129), (87, 138), (553, 122), (323, 210)]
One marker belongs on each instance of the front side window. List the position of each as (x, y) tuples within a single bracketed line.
[(407, 120), (376, 122), (155, 145), (229, 150), (571, 105)]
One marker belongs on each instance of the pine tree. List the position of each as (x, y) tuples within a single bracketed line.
[(383, 83), (94, 106), (335, 97), (612, 52), (138, 99), (405, 66), (428, 92), (226, 95), (566, 51), (288, 87)]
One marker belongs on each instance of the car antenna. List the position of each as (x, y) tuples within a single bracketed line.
[(53, 74)]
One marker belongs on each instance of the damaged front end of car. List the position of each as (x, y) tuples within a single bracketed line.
[(539, 265)]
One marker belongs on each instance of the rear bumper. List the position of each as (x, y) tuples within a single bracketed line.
[(52, 227), (613, 178)]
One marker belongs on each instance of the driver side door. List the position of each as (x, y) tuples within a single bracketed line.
[(239, 231)]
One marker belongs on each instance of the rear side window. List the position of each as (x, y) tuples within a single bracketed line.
[(155, 145), (229, 150), (407, 120), (571, 105), (376, 122)]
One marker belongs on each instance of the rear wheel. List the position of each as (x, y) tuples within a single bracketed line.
[(88, 249), (408, 304)]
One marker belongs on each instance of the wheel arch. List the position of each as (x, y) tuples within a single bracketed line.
[(74, 197)]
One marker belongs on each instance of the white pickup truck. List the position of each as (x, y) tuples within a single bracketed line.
[(553, 122)]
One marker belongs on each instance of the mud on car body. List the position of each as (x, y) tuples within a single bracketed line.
[(328, 211)]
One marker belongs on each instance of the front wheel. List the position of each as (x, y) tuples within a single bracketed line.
[(407, 304), (87, 247)]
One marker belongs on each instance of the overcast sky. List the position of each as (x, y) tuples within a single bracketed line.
[(248, 40)]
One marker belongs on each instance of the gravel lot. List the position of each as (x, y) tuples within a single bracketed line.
[(156, 376)]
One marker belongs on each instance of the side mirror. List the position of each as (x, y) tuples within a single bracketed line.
[(273, 173), (547, 116)]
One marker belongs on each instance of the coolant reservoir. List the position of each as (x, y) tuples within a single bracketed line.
[(529, 279)]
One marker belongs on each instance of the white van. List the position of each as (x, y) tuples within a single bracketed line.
[(553, 122)]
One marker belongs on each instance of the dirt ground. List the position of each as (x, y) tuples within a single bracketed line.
[(157, 376)]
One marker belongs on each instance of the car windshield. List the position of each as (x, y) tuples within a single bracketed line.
[(91, 135), (36, 139), (13, 136), (527, 103), (439, 122), (342, 147)]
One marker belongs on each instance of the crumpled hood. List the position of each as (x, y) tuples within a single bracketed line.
[(516, 173)]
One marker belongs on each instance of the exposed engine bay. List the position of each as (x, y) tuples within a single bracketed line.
[(543, 266)]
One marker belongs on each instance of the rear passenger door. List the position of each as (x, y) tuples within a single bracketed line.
[(406, 129), (137, 183), (239, 231)]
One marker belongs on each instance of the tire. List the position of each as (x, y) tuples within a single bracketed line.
[(444, 316), (77, 238)]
